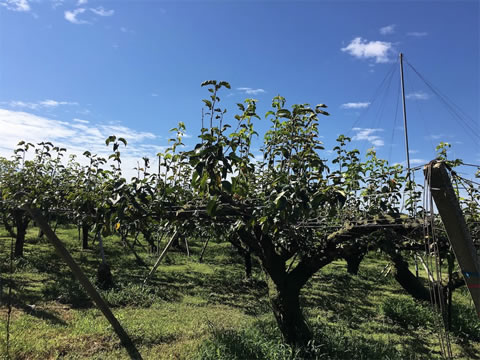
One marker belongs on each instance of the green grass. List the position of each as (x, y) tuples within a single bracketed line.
[(190, 310)]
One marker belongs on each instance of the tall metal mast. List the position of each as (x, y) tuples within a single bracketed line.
[(405, 118), (412, 211)]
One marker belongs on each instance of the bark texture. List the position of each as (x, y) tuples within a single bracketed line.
[(21, 222)]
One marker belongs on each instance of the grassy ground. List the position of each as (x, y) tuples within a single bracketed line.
[(207, 311)]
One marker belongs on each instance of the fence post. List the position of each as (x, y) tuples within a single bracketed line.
[(455, 225), (87, 285)]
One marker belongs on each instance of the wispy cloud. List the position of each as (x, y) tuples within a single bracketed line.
[(364, 49), (82, 2), (251, 91), (436, 136), (414, 161), (417, 33), (355, 105), (56, 3), (54, 103), (368, 134), (387, 30), (16, 5), (81, 121), (418, 161), (100, 11), (418, 95), (71, 16), (36, 105), (126, 30), (77, 136), (154, 94)]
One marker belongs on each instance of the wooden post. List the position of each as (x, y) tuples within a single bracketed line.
[(87, 285), (203, 249), (455, 225), (164, 252)]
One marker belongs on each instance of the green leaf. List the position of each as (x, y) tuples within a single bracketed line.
[(227, 186), (322, 112), (284, 113), (110, 139), (212, 206), (225, 84), (209, 82), (208, 103), (280, 200)]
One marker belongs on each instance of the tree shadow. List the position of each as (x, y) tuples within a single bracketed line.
[(41, 314)]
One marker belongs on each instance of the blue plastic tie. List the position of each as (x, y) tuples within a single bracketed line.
[(469, 274)]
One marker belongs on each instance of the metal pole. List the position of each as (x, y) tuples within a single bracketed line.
[(406, 144), (405, 117)]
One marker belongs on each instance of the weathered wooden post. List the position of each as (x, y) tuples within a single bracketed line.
[(164, 252), (87, 285), (455, 225)]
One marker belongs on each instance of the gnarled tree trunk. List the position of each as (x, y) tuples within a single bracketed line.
[(353, 258), (85, 229), (248, 264), (413, 285), (8, 226), (285, 301), (104, 275), (21, 222)]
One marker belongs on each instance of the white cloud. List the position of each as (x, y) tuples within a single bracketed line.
[(154, 94), (16, 5), (36, 105), (81, 121), (77, 136), (53, 103), (71, 16), (56, 3), (363, 49), (418, 161), (417, 33), (100, 11), (251, 91), (389, 29), (415, 162), (418, 95), (436, 136), (368, 134), (82, 2), (126, 30), (355, 105)]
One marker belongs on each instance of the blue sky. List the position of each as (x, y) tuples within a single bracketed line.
[(75, 72)]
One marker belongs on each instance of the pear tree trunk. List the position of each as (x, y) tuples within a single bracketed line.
[(21, 223), (85, 228), (285, 302)]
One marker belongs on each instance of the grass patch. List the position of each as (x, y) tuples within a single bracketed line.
[(189, 310), (407, 312)]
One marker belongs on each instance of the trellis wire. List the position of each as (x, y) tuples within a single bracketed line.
[(433, 262)]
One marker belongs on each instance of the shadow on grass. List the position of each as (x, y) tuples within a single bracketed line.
[(42, 314), (263, 341)]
